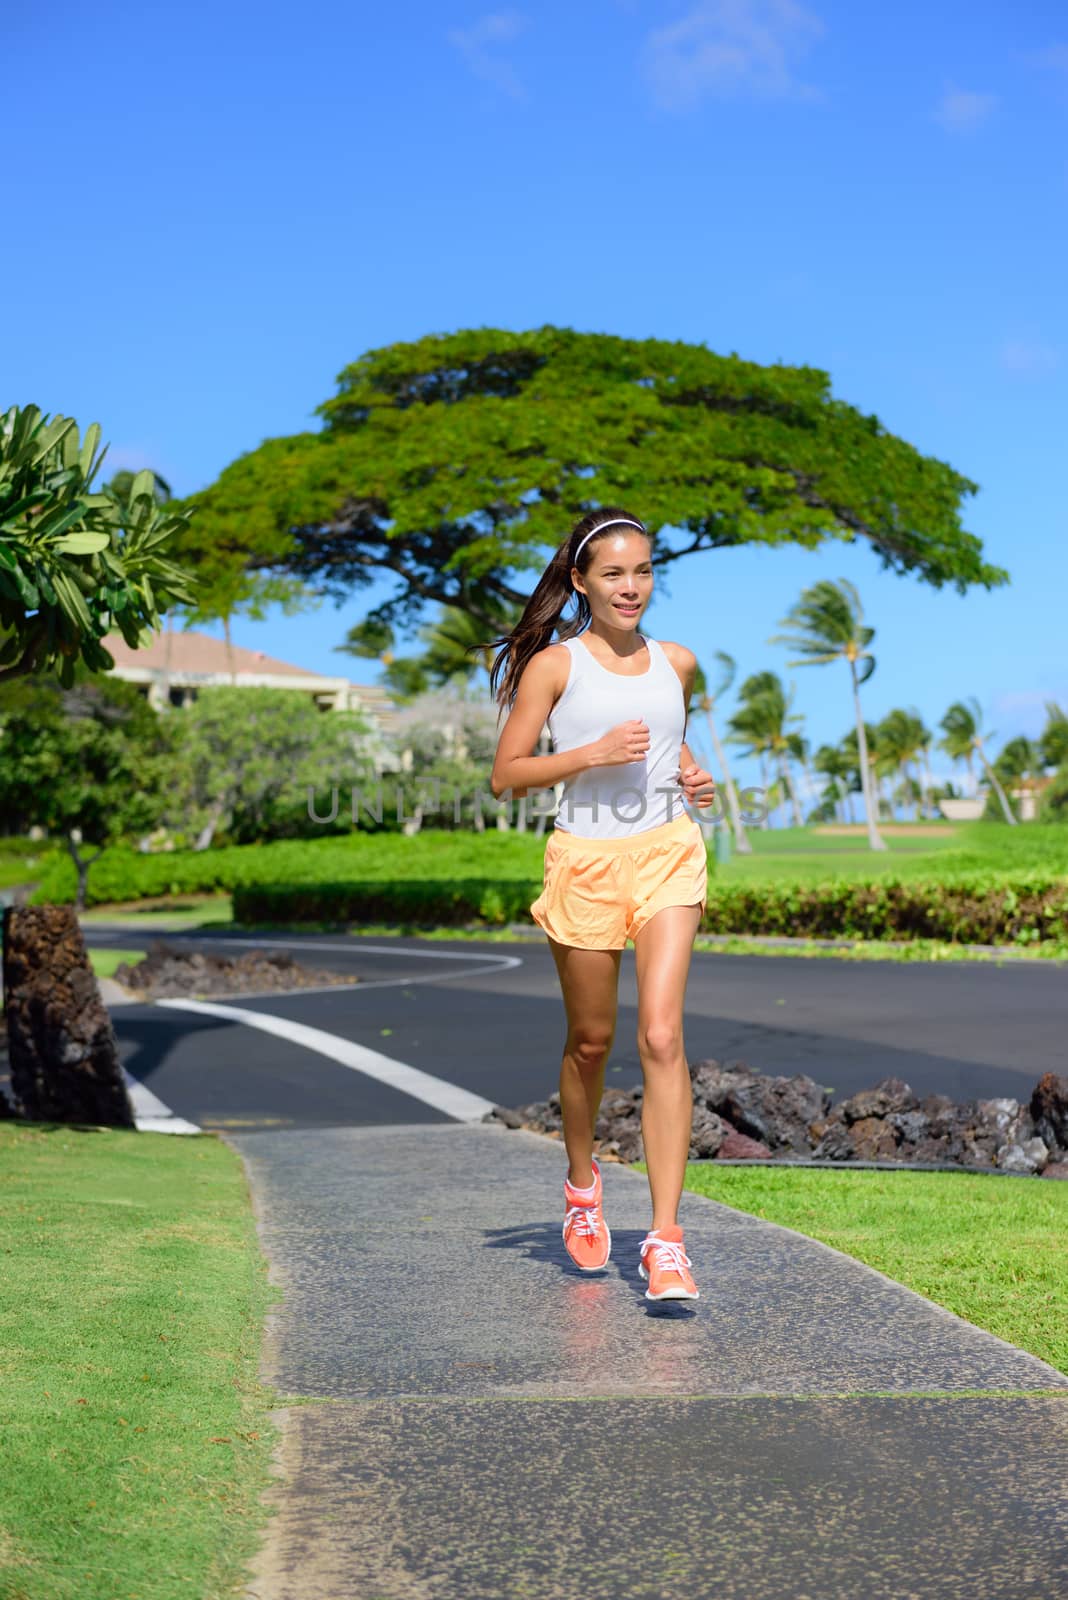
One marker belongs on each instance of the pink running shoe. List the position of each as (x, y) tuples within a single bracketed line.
[(665, 1263), (586, 1236)]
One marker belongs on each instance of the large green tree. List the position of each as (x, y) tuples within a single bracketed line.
[(454, 463)]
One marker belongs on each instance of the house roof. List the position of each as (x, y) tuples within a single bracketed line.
[(178, 650), (186, 653)]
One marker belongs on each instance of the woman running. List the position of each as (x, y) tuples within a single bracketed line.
[(624, 859)]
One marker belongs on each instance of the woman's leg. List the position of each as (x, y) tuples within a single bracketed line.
[(662, 951), (589, 982)]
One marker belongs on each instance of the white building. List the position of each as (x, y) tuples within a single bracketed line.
[(179, 662)]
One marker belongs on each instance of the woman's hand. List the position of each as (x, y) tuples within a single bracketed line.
[(697, 786), (627, 742)]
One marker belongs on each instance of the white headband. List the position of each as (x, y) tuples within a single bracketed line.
[(611, 523)]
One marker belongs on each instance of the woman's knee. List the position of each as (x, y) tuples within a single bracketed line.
[(660, 1041), (590, 1049)]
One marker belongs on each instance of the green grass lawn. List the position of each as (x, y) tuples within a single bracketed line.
[(170, 916), (104, 962), (136, 1439), (994, 1250), (803, 856), (23, 861)]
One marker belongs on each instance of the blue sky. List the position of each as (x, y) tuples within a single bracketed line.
[(215, 208)]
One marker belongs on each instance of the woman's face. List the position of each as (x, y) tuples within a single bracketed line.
[(619, 579)]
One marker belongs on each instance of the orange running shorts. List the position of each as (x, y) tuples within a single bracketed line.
[(598, 893)]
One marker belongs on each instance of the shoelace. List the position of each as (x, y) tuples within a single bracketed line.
[(670, 1257), (585, 1218)]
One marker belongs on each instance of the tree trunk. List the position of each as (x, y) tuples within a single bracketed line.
[(165, 676), (229, 650), (925, 785), (207, 832), (766, 819), (788, 779), (875, 839), (81, 867), (741, 839), (998, 790), (63, 1056)]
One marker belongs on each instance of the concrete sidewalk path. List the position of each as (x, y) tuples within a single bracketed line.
[(494, 1424)]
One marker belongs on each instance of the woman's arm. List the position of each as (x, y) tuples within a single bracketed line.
[(516, 770)]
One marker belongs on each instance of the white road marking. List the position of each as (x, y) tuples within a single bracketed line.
[(447, 1097), (150, 1114)]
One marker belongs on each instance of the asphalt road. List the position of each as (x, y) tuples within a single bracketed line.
[(489, 1017)]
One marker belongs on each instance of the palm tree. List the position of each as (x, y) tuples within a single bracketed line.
[(835, 764), (961, 725), (759, 724), (456, 646), (801, 750), (798, 747), (851, 748), (704, 700), (923, 736), (901, 738), (372, 640), (826, 624), (1053, 740), (1021, 758)]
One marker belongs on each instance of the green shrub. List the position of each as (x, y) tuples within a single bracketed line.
[(122, 874), (1053, 806), (442, 903), (975, 911), (979, 909)]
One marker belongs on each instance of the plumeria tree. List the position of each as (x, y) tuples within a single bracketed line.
[(77, 563)]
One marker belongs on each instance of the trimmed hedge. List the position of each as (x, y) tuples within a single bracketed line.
[(967, 911), (122, 874), (443, 903)]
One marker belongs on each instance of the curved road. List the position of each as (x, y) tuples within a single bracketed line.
[(488, 1019)]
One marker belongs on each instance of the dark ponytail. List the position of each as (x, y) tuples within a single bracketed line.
[(541, 616)]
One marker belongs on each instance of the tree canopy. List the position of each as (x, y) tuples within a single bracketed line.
[(456, 462)]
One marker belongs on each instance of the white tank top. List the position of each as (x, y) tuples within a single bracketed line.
[(618, 801)]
